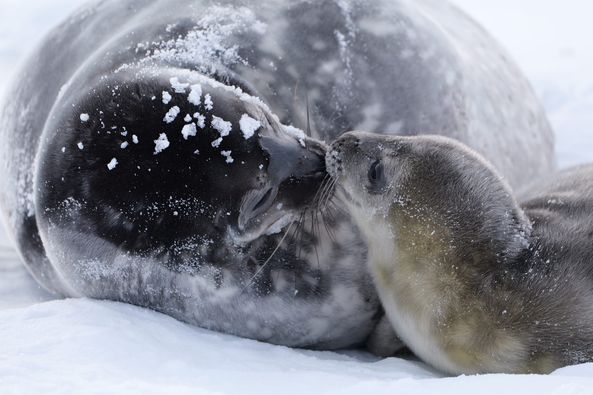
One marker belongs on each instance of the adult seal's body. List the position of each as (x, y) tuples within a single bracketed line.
[(472, 280), (146, 160)]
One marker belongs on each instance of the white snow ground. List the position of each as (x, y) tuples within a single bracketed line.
[(84, 346)]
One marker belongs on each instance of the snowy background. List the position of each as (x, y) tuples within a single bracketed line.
[(83, 346)]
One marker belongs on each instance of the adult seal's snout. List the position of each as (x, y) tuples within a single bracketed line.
[(288, 160)]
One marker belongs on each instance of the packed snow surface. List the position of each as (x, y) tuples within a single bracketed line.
[(98, 347)]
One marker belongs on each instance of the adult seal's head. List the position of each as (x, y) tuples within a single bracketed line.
[(153, 161), (472, 281)]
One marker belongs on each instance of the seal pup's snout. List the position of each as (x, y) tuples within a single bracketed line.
[(334, 158), (333, 162)]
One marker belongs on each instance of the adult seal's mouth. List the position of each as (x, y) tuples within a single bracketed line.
[(296, 169)]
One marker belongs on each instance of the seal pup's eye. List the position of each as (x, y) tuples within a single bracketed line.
[(376, 178), (376, 171)]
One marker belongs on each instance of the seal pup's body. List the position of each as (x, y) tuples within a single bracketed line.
[(473, 281)]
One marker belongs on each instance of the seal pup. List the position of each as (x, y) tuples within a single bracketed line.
[(472, 280)]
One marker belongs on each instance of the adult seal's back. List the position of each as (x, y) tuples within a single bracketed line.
[(147, 156)]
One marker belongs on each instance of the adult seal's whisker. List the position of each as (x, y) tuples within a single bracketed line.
[(263, 266)]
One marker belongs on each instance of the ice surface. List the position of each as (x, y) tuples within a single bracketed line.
[(82, 346)]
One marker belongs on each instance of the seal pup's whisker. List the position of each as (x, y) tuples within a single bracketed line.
[(333, 206), (328, 229), (326, 188), (326, 179), (317, 204), (328, 193)]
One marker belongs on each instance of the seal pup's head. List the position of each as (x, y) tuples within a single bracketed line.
[(432, 178)]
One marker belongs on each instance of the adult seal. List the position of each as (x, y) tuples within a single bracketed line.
[(473, 279), (152, 154)]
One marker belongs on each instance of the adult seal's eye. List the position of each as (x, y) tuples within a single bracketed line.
[(376, 177)]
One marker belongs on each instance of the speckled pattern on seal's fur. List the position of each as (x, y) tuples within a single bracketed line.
[(473, 281), (112, 189)]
